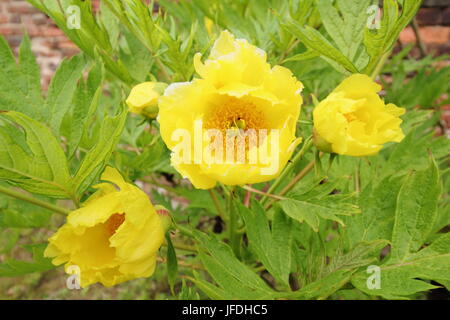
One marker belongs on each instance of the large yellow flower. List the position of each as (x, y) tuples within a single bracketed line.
[(113, 238), (237, 94), (353, 120)]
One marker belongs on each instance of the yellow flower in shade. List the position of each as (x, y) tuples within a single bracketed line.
[(143, 98), (353, 120), (238, 96), (113, 238)]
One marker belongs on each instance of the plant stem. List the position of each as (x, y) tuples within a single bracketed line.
[(299, 176), (182, 246), (217, 205), (294, 181), (250, 189), (162, 68), (234, 235), (306, 145), (357, 177), (37, 202), (184, 264), (184, 230), (419, 41), (380, 65)]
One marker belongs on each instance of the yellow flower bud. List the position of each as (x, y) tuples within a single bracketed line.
[(353, 120), (113, 238), (165, 216), (143, 98)]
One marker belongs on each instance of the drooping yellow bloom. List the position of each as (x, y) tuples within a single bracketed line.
[(353, 120), (113, 238), (238, 94), (143, 98)]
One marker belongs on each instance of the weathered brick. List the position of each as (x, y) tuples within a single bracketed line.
[(438, 49), (53, 32), (3, 18), (22, 7), (407, 35), (8, 29), (429, 34), (39, 18), (436, 3), (429, 16), (446, 17), (435, 34)]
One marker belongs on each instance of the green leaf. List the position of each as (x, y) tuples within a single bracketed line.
[(416, 211), (326, 286), (13, 268), (401, 279), (96, 159), (309, 54), (20, 88), (315, 41), (84, 105), (62, 89), (411, 153), (172, 263), (379, 42), (19, 214), (338, 272), (346, 25), (188, 292), (234, 278), (8, 239), (378, 204), (311, 210), (272, 246), (38, 164)]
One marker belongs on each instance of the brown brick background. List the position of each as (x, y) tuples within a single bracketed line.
[(48, 42), (50, 45)]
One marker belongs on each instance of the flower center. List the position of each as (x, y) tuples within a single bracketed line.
[(235, 114), (240, 123), (350, 117), (114, 222)]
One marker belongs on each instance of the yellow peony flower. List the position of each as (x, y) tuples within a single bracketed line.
[(353, 120), (113, 238), (143, 98), (238, 96)]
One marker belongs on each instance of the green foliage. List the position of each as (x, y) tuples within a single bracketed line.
[(236, 280), (31, 155), (39, 165), (20, 85), (172, 263), (316, 240), (19, 214), (318, 203), (272, 246), (380, 42), (39, 263), (354, 47)]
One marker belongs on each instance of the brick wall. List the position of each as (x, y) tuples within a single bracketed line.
[(434, 24), (50, 44)]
